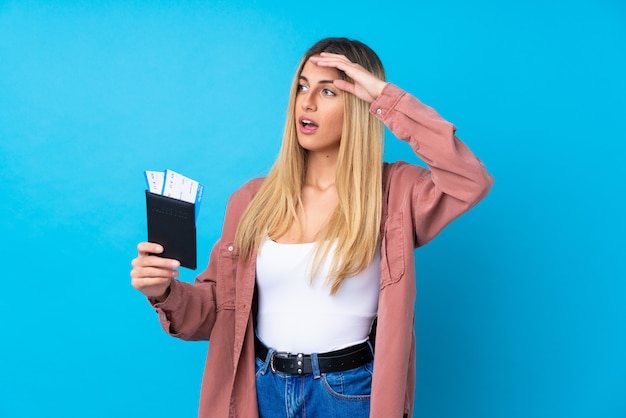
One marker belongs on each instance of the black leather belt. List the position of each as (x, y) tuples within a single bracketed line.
[(334, 361)]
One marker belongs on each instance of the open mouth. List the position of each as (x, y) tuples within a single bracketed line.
[(307, 123)]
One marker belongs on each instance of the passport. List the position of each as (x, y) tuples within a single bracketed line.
[(172, 214)]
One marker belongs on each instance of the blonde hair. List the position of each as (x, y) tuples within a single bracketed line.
[(353, 228)]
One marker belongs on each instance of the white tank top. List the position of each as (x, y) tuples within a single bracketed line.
[(299, 316)]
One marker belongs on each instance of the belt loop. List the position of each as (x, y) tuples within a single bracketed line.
[(268, 361), (315, 366)]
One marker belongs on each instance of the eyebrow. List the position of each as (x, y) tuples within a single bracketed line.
[(320, 82)]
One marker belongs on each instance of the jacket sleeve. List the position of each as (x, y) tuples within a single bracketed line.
[(190, 310), (456, 179)]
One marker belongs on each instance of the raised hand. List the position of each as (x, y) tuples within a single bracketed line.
[(366, 85), (151, 275)]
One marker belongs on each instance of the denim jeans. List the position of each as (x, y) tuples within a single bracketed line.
[(324, 395)]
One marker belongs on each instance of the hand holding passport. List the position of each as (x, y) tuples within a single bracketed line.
[(172, 206)]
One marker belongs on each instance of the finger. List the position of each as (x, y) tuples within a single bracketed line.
[(355, 71), (332, 54), (155, 272), (140, 273), (338, 61), (146, 248), (150, 282), (155, 261), (345, 85), (337, 57), (366, 85)]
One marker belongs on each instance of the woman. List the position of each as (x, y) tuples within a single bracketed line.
[(308, 296)]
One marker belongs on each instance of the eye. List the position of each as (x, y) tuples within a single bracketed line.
[(302, 87), (327, 92)]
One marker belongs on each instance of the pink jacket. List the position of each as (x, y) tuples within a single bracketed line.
[(417, 205)]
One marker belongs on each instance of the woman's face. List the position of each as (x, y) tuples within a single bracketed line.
[(319, 109)]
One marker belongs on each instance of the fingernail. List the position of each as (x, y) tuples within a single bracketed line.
[(158, 248)]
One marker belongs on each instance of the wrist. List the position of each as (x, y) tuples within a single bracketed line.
[(379, 89), (163, 297)]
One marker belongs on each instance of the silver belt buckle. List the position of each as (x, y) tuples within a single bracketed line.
[(274, 354)]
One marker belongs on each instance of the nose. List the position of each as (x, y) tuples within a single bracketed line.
[(308, 102)]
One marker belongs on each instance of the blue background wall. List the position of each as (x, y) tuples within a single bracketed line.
[(520, 311)]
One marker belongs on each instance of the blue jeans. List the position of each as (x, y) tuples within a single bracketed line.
[(325, 395)]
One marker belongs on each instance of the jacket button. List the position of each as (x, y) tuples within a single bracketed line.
[(230, 248)]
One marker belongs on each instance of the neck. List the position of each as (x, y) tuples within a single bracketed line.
[(321, 170)]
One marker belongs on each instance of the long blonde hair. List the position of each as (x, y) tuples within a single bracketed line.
[(354, 225)]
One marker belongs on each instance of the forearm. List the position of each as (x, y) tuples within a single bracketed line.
[(455, 170), (187, 311)]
